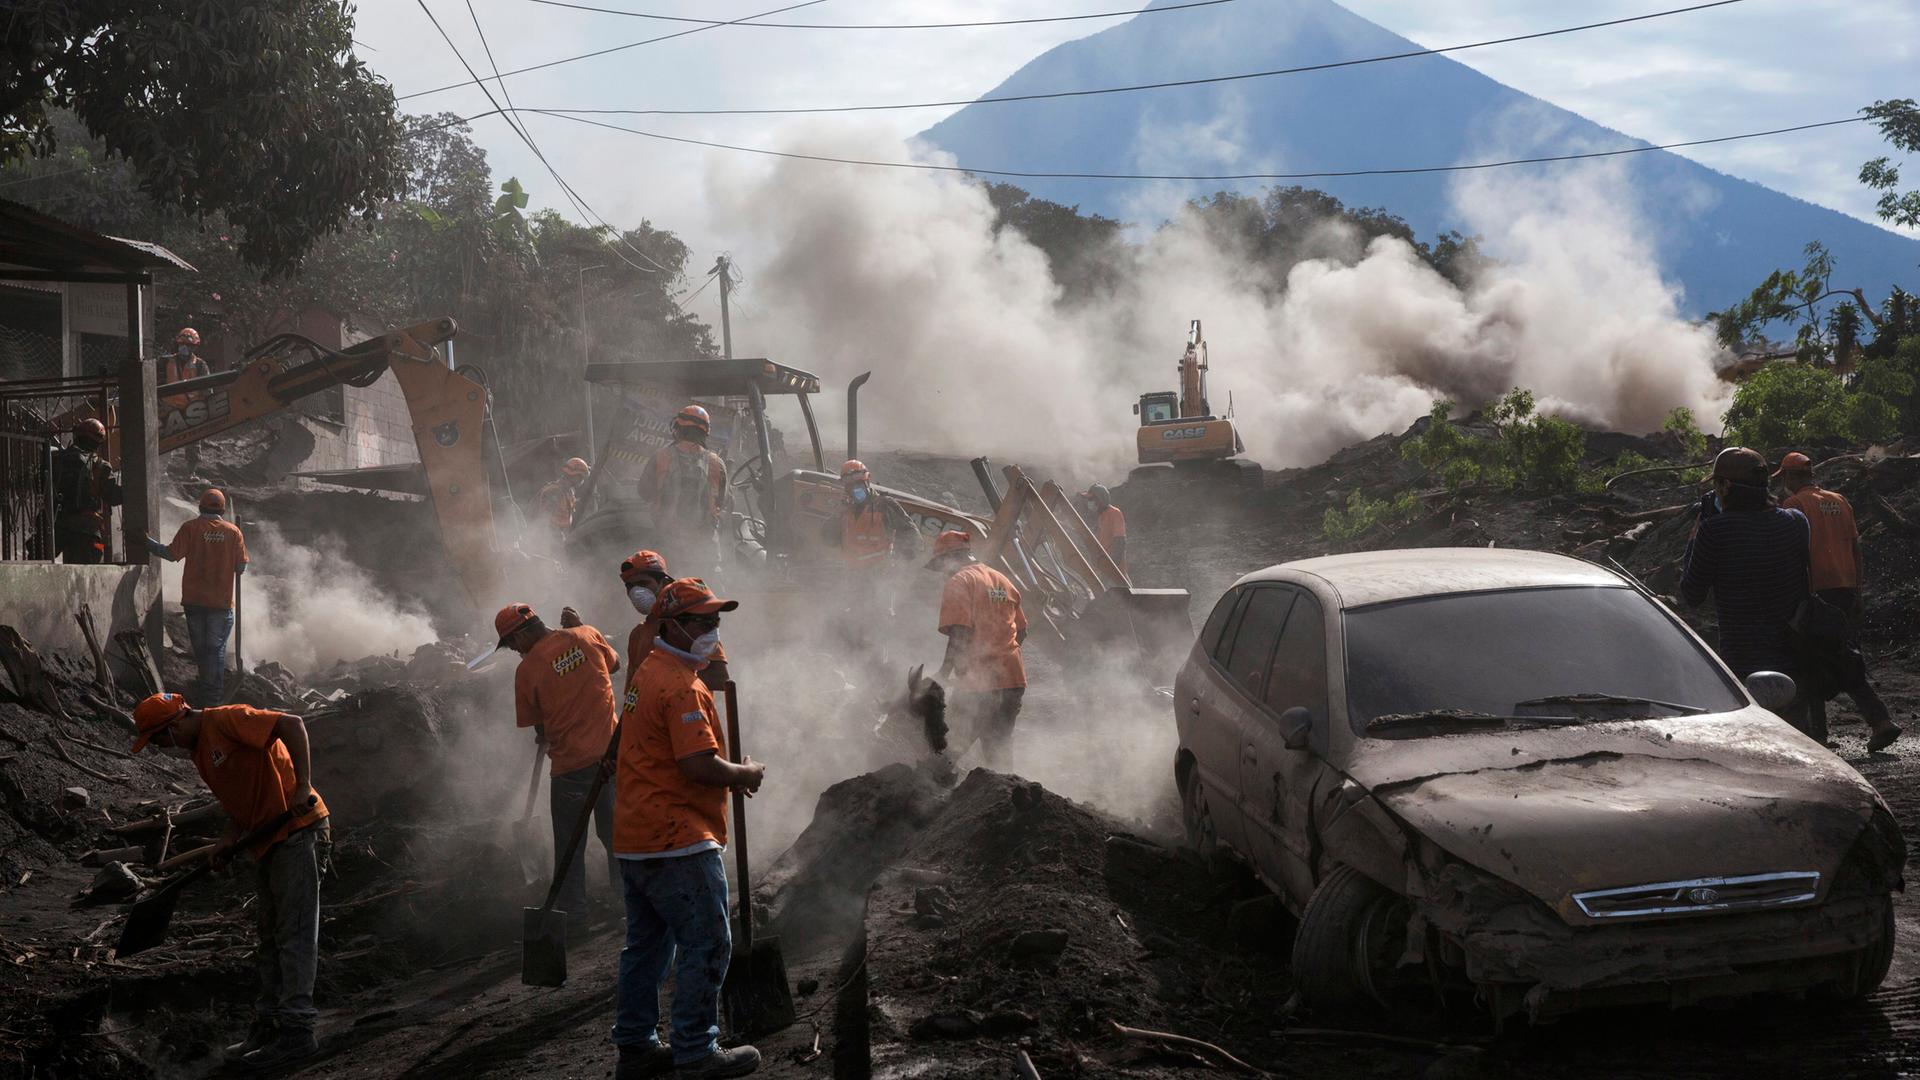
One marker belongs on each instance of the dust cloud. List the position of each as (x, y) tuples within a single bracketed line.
[(975, 350)]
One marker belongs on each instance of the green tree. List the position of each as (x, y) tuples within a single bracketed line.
[(1788, 405), (1533, 450), (1899, 123), (254, 111), (1444, 450), (1083, 250)]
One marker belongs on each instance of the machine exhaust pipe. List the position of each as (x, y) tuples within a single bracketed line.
[(853, 412)]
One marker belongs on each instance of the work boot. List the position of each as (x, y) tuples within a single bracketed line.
[(639, 1062), (1883, 737), (292, 1044), (261, 1032), (738, 1061)]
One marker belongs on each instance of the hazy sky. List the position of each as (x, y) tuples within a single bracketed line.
[(1749, 66)]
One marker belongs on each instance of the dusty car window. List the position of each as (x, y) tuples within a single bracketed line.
[(1215, 630), (1299, 674), (1488, 652), (1253, 642)]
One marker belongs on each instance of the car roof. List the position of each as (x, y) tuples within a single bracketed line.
[(1372, 577)]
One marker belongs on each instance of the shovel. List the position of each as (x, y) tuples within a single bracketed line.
[(523, 838), (147, 922), (755, 994), (543, 931)]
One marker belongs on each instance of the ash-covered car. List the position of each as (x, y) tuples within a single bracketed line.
[(1514, 775)]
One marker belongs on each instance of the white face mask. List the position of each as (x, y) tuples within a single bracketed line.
[(642, 598), (704, 645)]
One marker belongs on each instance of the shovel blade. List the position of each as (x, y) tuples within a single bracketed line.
[(147, 923), (756, 993), (543, 947)]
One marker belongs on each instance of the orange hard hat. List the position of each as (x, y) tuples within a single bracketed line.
[(510, 619), (689, 596), (642, 562), (91, 428), (213, 499), (576, 467), (948, 543), (156, 712), (1794, 462), (694, 416), (187, 336), (851, 468)]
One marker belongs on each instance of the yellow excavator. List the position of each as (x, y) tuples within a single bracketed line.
[(1180, 435)]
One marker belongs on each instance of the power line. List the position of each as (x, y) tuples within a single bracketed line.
[(885, 26), (603, 52), (1055, 94), (1326, 174)]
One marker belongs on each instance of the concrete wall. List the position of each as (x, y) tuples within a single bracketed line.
[(41, 599)]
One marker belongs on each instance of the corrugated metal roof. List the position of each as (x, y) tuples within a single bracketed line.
[(40, 241)]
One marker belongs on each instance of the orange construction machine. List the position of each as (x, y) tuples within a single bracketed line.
[(1180, 431)]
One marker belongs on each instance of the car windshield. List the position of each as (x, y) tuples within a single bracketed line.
[(1501, 652)]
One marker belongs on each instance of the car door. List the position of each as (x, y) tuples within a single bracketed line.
[(1228, 692), (1278, 783)]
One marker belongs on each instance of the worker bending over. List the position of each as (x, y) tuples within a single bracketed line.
[(644, 575), (560, 497), (686, 488), (1109, 524), (1833, 573), (258, 765), (872, 530), (84, 487), (215, 553), (563, 690), (673, 777), (980, 615)]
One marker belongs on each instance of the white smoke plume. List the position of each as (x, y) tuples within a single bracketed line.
[(974, 352)]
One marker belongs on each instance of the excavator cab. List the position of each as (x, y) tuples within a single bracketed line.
[(1160, 407)]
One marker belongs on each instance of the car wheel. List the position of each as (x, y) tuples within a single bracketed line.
[(1196, 819), (1875, 961), (1351, 935)]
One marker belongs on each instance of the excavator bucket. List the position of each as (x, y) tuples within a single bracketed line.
[(1153, 621)]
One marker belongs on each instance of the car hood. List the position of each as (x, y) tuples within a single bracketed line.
[(1625, 803)]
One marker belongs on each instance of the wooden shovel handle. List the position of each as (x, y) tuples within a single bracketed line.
[(739, 819)]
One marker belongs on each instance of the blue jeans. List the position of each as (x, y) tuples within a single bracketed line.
[(673, 905), (207, 630)]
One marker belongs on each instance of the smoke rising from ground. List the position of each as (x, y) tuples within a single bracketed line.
[(975, 351)]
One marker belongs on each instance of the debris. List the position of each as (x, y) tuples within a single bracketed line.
[(805, 987), (1201, 1045), (74, 798), (1025, 1065), (1038, 944), (115, 881), (960, 1024)]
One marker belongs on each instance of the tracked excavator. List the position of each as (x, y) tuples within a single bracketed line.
[(1180, 436), (448, 408)]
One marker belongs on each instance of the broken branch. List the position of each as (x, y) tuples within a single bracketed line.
[(1182, 1041)]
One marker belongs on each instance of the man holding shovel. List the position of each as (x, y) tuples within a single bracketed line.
[(563, 690), (674, 777), (258, 766)]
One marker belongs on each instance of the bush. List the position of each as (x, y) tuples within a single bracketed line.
[(1362, 513), (1681, 423), (1527, 450), (1444, 450), (1795, 404)]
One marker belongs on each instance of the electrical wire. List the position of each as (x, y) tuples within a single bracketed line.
[(711, 278), (1321, 175), (1137, 87), (886, 26), (603, 52)]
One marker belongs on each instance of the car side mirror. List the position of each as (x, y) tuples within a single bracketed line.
[(1773, 690), (1296, 727)]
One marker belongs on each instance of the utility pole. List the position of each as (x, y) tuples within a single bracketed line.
[(724, 267), (586, 387)]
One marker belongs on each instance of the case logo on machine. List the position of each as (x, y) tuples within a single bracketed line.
[(212, 407), (1184, 433)]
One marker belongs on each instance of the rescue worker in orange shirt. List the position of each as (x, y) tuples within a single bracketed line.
[(644, 574), (980, 615), (1833, 574), (1109, 524), (563, 690), (674, 775), (686, 488), (560, 497), (215, 552), (871, 530), (84, 491), (183, 364), (258, 765)]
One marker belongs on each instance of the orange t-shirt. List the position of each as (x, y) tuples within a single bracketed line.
[(983, 600), (668, 714), (213, 550), (1111, 526), (249, 769), (566, 683), (1830, 561)]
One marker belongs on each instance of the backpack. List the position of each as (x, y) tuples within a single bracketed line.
[(685, 490)]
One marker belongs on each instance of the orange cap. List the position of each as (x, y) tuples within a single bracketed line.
[(187, 336), (689, 596), (576, 467), (851, 468), (91, 428), (213, 499), (154, 713), (947, 543), (642, 562), (1794, 462), (511, 618)]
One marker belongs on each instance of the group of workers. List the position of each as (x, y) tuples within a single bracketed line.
[(1785, 578)]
